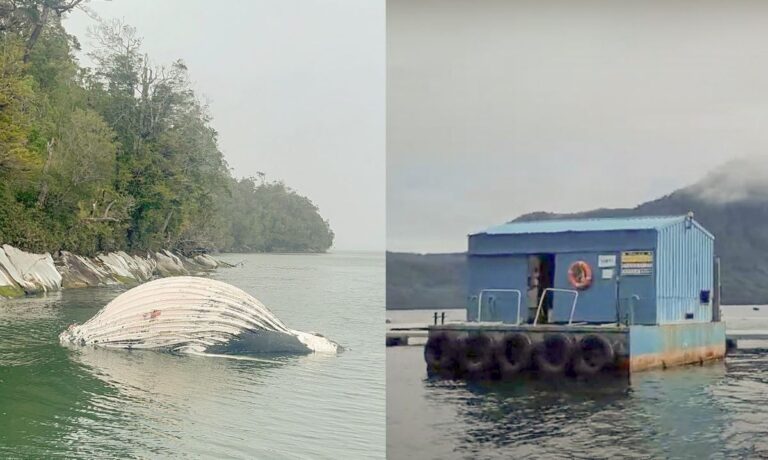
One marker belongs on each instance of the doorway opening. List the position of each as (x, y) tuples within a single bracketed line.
[(541, 275)]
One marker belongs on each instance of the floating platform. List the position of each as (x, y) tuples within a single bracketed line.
[(403, 334), (503, 351), (585, 296)]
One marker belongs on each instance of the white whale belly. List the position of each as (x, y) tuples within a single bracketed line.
[(186, 313)]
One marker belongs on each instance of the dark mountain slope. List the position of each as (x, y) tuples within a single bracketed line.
[(425, 281), (731, 202)]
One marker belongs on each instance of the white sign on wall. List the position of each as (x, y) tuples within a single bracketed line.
[(606, 261), (607, 273)]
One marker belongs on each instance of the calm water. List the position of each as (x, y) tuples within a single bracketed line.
[(109, 403), (712, 411)]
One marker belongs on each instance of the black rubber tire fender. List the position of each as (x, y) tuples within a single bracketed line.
[(513, 353), (553, 354), (476, 354), (593, 353), (440, 351)]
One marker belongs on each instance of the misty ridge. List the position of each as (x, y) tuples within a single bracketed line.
[(742, 179), (731, 202)]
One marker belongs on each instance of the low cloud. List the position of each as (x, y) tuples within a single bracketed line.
[(743, 179)]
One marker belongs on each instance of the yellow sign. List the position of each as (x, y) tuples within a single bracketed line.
[(637, 257), (637, 263)]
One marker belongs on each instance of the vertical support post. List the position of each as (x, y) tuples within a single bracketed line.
[(618, 300), (716, 286), (633, 301), (479, 307)]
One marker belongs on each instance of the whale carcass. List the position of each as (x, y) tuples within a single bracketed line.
[(192, 314)]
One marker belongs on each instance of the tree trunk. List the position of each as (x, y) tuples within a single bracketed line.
[(36, 32), (44, 186), (59, 8), (167, 220), (106, 211)]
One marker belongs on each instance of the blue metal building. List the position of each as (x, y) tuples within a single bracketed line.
[(644, 271)]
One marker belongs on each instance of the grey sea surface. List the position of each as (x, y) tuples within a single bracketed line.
[(719, 410), (60, 402)]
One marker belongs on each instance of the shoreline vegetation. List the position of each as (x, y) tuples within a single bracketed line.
[(120, 157)]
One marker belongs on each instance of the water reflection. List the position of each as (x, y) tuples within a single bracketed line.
[(717, 410), (697, 411), (523, 414), (138, 372)]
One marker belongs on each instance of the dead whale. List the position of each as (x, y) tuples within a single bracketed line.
[(194, 315)]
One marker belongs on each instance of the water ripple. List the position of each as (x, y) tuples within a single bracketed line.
[(712, 411), (92, 403)]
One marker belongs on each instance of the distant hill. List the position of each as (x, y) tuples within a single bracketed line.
[(425, 281), (731, 202)]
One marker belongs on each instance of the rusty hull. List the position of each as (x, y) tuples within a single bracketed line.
[(638, 347), (668, 345)]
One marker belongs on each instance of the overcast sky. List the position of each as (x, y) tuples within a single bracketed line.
[(296, 89), (498, 108)]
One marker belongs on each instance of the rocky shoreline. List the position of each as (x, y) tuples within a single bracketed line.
[(23, 273)]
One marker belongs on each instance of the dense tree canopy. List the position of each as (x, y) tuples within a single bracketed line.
[(122, 155)]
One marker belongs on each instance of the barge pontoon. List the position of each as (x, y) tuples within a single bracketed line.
[(587, 296)]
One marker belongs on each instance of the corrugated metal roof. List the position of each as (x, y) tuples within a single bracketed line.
[(585, 225)]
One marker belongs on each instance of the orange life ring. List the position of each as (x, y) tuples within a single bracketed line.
[(580, 274)]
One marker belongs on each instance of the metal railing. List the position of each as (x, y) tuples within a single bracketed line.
[(480, 301), (544, 295)]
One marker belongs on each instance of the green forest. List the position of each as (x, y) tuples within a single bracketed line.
[(122, 155)]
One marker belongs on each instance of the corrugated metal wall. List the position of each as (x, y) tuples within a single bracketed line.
[(596, 304), (599, 303), (497, 272), (500, 261), (684, 268)]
